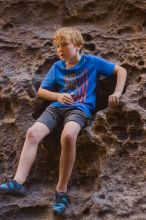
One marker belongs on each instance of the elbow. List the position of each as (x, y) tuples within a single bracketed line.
[(39, 92)]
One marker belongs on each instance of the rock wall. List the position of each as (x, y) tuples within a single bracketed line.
[(109, 177)]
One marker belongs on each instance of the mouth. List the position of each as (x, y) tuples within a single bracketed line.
[(61, 55)]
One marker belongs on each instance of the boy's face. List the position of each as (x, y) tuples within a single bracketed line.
[(67, 50)]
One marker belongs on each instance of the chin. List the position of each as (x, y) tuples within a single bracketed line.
[(62, 58)]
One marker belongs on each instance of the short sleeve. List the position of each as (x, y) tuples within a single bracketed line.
[(49, 81), (104, 67)]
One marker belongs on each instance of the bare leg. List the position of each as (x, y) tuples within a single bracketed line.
[(34, 135), (68, 154)]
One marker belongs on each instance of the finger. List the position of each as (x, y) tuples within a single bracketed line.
[(67, 100), (117, 100), (112, 101), (68, 96), (109, 102)]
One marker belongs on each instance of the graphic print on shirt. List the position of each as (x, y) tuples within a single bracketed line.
[(77, 84)]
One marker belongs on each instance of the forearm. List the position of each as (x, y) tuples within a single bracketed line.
[(48, 95), (121, 79)]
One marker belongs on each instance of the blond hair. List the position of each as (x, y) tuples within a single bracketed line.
[(68, 34)]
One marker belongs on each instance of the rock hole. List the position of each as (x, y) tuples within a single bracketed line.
[(138, 79), (144, 23), (7, 26), (109, 54), (9, 115), (120, 132), (133, 117), (31, 92), (86, 211), (141, 63), (132, 147), (87, 37), (105, 88), (119, 116), (100, 129), (90, 47), (137, 134), (123, 153), (125, 30), (48, 7), (49, 44), (103, 212), (142, 102)]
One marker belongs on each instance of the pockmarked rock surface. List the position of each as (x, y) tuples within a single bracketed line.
[(109, 177)]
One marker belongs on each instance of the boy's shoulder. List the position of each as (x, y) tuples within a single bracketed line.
[(58, 63), (93, 57), (89, 56)]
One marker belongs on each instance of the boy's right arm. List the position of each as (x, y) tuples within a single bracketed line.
[(64, 98), (48, 95)]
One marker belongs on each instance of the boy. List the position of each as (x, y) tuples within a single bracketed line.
[(70, 84)]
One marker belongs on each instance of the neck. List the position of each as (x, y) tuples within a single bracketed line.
[(73, 61)]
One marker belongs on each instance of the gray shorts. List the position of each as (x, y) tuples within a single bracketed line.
[(54, 116)]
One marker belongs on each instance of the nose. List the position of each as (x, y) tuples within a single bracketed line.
[(59, 49)]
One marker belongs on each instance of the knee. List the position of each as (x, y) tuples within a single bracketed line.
[(68, 138), (31, 135)]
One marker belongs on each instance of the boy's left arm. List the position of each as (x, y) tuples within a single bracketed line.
[(121, 73)]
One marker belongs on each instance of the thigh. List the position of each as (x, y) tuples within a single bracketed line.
[(50, 117)]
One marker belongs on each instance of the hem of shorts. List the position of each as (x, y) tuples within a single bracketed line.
[(74, 121)]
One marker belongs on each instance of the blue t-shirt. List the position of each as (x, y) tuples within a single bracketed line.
[(80, 80)]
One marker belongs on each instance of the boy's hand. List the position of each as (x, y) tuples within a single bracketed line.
[(65, 98), (113, 99)]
